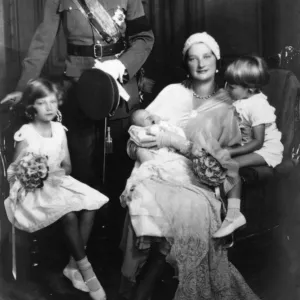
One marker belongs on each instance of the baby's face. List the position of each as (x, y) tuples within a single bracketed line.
[(144, 118)]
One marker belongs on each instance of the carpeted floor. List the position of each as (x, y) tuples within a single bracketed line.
[(260, 260), (270, 264)]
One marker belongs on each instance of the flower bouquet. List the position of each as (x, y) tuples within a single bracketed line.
[(208, 169), (31, 170)]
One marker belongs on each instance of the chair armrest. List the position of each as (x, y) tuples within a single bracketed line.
[(286, 167), (253, 175)]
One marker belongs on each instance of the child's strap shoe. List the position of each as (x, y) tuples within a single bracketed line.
[(76, 278), (229, 225)]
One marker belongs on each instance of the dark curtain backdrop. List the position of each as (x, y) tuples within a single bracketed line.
[(172, 22), (240, 26), (235, 24)]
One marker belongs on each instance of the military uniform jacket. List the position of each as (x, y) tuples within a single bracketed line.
[(135, 28)]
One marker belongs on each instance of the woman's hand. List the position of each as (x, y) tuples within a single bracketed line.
[(171, 139), (229, 149), (12, 98)]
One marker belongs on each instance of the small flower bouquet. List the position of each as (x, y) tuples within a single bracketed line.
[(31, 170), (208, 169)]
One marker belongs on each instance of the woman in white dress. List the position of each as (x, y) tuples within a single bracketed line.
[(168, 196)]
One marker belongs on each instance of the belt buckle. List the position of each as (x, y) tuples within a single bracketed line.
[(98, 46)]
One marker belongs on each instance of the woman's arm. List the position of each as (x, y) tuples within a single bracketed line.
[(143, 155), (258, 133), (132, 148), (66, 163)]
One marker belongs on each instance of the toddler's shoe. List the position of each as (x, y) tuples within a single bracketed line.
[(76, 278), (229, 225)]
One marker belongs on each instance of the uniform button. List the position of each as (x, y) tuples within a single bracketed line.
[(70, 8)]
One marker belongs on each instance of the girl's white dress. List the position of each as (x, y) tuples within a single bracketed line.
[(46, 205), (255, 111)]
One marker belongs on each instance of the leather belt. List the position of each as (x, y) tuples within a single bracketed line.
[(95, 50)]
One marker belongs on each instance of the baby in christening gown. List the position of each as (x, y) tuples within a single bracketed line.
[(143, 125), (164, 164)]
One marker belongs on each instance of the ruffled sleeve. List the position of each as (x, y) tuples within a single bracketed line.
[(22, 134), (260, 111)]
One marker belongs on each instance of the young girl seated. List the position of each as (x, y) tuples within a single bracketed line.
[(260, 137), (61, 197)]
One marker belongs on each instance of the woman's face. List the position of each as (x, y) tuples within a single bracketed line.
[(46, 108), (201, 62)]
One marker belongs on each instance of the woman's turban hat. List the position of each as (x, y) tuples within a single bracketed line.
[(205, 38)]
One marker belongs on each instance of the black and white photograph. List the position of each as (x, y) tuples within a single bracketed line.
[(149, 149)]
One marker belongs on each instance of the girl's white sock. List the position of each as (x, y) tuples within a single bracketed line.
[(72, 263), (96, 290)]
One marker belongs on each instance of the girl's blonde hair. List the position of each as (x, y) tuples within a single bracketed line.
[(248, 71)]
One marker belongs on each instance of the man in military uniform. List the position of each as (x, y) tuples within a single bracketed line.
[(122, 60), (122, 57)]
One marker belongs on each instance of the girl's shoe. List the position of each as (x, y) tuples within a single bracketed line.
[(98, 294), (229, 225), (76, 278)]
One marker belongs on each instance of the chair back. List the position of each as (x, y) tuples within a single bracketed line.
[(283, 93)]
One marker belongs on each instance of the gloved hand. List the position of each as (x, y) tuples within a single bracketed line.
[(12, 98), (171, 139), (113, 67)]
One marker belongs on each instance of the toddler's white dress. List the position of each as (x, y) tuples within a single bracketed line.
[(255, 111), (46, 205)]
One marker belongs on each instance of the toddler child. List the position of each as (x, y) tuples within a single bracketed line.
[(261, 143)]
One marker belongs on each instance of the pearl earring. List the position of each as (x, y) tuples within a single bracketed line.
[(217, 71), (59, 116)]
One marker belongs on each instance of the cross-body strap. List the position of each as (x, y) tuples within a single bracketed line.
[(93, 16)]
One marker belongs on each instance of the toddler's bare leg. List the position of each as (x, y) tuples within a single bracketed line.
[(251, 159)]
